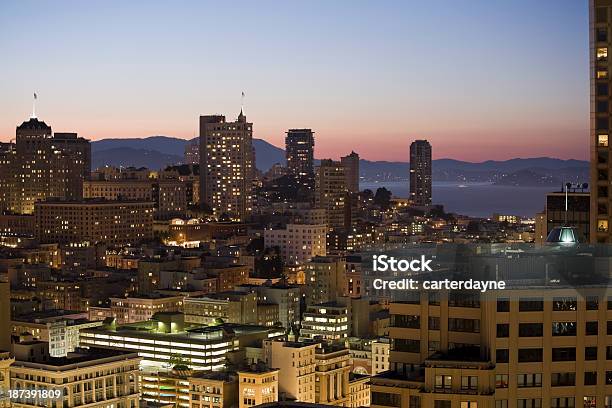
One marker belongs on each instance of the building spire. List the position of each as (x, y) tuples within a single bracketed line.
[(242, 117), (34, 106)]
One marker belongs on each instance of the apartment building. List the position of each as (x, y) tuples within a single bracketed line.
[(296, 364)]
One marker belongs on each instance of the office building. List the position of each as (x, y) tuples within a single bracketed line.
[(226, 166), (601, 47), (299, 148), (139, 308), (298, 243), (229, 307), (5, 378), (257, 386), (41, 165), (525, 346), (296, 364), (93, 378), (331, 192), (168, 341), (420, 173), (326, 321), (94, 221), (351, 171)]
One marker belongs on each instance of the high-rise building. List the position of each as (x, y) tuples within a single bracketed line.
[(299, 147), (226, 166), (420, 172), (331, 192), (601, 46), (351, 171), (192, 152), (41, 165)]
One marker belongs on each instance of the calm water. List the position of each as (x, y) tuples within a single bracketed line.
[(477, 199)]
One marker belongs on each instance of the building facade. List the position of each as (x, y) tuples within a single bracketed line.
[(298, 243), (351, 171), (331, 192)]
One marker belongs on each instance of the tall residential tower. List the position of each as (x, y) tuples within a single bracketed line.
[(601, 45), (299, 147), (420, 172), (226, 166)]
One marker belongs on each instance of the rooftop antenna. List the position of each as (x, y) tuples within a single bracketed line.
[(34, 106), (242, 103), (567, 187)]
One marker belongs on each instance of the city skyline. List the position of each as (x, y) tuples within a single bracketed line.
[(523, 68)]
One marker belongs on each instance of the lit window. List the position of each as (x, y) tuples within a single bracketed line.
[(602, 54), (602, 74), (602, 140), (602, 225)]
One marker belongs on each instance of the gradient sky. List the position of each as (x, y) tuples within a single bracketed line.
[(480, 79)]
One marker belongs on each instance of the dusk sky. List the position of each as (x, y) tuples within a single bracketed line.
[(479, 79)]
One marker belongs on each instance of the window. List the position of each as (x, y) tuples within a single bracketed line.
[(464, 325), (414, 401), (407, 346), (443, 382), (503, 330), (608, 352), (564, 354), (565, 304), (562, 402), (602, 90), (601, 15), (563, 379), (591, 328), (529, 403), (592, 302), (386, 399), (469, 404), (529, 380), (406, 321), (589, 401), (442, 404), (602, 73), (564, 328), (530, 355), (501, 380), (434, 323), (502, 355), (531, 330), (531, 305), (469, 382), (609, 327), (501, 403), (590, 378), (602, 54), (590, 353), (601, 35), (602, 106), (503, 305), (608, 377)]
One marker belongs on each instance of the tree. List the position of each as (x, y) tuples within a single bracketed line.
[(383, 198)]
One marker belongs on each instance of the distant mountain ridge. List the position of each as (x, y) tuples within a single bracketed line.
[(159, 151)]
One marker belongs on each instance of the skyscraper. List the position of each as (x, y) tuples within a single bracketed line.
[(299, 147), (331, 191), (420, 172), (226, 166), (42, 165), (351, 171), (600, 120)]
